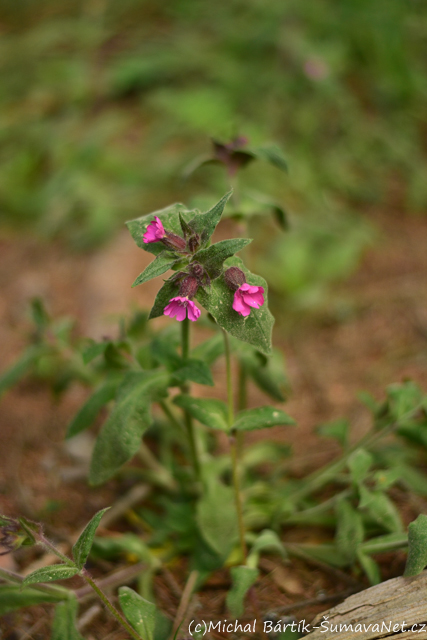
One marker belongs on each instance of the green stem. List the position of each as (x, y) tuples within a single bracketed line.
[(162, 475), (111, 608), (234, 450), (185, 342)]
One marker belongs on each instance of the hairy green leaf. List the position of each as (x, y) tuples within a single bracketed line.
[(359, 464), (417, 551), (88, 412), (21, 367), (213, 258), (194, 371), (217, 522), (370, 567), (210, 412), (64, 621), (121, 434), (169, 290), (12, 597), (261, 418), (170, 220), (82, 547), (350, 530), (255, 329), (162, 263), (272, 154), (139, 612), (48, 574), (380, 508), (242, 580), (205, 223), (94, 350)]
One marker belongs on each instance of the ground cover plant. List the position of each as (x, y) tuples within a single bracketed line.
[(213, 508)]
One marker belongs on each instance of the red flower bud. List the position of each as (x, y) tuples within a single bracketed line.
[(188, 288), (234, 278)]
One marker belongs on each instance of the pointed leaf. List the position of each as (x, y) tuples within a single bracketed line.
[(121, 434), (380, 508), (268, 541), (272, 154), (243, 578), (261, 418), (210, 412), (94, 350), (88, 412), (213, 258), (359, 464), (82, 547), (21, 367), (205, 223), (162, 263), (370, 567), (217, 522), (169, 218), (417, 551), (12, 597), (256, 328), (64, 621), (169, 290), (48, 574), (139, 612), (350, 530), (268, 373), (339, 430)]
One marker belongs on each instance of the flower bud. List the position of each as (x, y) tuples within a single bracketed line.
[(188, 288), (234, 278), (174, 242), (194, 243)]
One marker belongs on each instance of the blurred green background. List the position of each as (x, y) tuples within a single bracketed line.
[(103, 103)]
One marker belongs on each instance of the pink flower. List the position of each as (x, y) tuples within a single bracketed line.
[(248, 296), (155, 231), (179, 307)]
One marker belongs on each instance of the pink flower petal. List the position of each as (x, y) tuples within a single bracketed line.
[(239, 304), (193, 311), (155, 231)]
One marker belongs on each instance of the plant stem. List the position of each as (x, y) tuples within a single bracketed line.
[(234, 450), (111, 608), (185, 342)]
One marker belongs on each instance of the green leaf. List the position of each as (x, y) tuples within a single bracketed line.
[(267, 372), (195, 371), (370, 567), (12, 597), (268, 540), (21, 367), (417, 542), (272, 154), (255, 329), (82, 547), (88, 412), (349, 532), (380, 508), (64, 621), (242, 580), (94, 350), (210, 412), (325, 553), (121, 434), (169, 290), (359, 464), (140, 613), (40, 315), (339, 430), (209, 350), (261, 418), (217, 522), (48, 574), (271, 207), (162, 263), (164, 351), (170, 220), (205, 223), (213, 258)]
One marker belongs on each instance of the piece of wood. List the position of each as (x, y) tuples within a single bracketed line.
[(378, 612)]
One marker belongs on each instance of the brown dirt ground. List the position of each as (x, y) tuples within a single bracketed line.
[(382, 340)]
